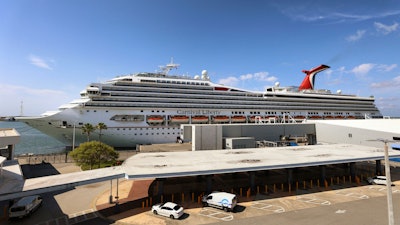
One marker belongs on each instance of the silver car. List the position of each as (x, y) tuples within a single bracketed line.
[(168, 209)]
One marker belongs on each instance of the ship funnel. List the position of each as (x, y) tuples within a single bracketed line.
[(308, 82)]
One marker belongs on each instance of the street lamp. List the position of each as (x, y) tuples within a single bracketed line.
[(388, 180)]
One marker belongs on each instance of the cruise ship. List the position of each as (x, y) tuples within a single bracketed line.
[(148, 108)]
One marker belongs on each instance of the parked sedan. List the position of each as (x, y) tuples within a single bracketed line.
[(377, 180), (168, 209)]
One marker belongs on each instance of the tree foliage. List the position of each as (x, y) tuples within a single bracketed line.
[(87, 129), (101, 127), (94, 154)]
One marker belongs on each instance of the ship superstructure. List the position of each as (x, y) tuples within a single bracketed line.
[(148, 108)]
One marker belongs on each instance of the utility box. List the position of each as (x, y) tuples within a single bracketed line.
[(239, 142)]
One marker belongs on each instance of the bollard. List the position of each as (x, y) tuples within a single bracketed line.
[(311, 184), (198, 199), (331, 180), (282, 187), (290, 188), (326, 184), (147, 202), (297, 185), (304, 184), (274, 188), (318, 183), (248, 193), (241, 192), (337, 180), (266, 188), (258, 189), (344, 179), (350, 179)]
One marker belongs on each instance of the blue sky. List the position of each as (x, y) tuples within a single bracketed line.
[(50, 50)]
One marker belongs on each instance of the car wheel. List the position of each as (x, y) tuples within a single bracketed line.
[(205, 204), (225, 209), (172, 217), (155, 212)]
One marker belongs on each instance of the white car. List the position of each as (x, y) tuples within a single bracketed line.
[(378, 180), (168, 209)]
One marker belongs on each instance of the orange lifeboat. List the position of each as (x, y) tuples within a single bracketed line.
[(315, 117), (199, 119), (179, 119), (238, 119), (299, 117), (155, 119), (220, 119)]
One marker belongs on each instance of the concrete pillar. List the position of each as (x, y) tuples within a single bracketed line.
[(353, 170), (322, 173), (252, 179), (10, 152), (209, 183), (378, 167), (289, 173), (160, 185)]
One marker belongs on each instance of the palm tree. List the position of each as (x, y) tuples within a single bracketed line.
[(101, 127), (87, 129)]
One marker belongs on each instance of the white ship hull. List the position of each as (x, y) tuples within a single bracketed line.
[(148, 108)]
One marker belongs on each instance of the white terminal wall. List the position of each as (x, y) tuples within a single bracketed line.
[(359, 132)]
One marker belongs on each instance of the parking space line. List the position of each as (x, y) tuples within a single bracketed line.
[(313, 200), (352, 194), (268, 207), (382, 188), (213, 214)]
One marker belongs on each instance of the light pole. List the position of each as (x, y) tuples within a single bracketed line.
[(73, 138), (388, 181)]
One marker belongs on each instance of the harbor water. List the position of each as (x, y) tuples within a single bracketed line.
[(32, 140)]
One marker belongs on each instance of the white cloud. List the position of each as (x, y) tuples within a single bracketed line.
[(259, 76), (395, 83), (357, 36), (386, 29), (39, 62), (387, 68), (363, 69), (229, 81), (32, 99)]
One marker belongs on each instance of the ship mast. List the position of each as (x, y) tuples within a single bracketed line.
[(165, 69)]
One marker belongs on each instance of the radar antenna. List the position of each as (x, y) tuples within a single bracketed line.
[(165, 69)]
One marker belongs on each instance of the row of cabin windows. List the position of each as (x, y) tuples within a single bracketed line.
[(255, 113)]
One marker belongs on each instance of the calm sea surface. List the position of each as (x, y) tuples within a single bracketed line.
[(32, 140)]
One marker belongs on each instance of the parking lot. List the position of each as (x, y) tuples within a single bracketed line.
[(266, 205)]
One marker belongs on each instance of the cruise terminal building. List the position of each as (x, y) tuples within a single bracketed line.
[(226, 149)]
